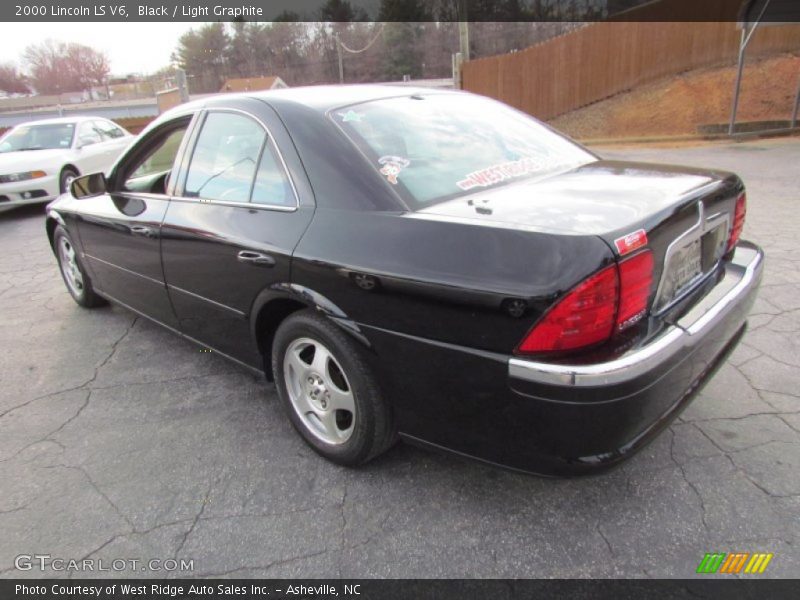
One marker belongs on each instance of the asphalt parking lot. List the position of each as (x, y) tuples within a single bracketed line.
[(119, 440)]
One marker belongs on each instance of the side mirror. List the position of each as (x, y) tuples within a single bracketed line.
[(88, 186)]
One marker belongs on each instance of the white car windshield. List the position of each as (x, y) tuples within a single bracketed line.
[(38, 137), (431, 148)]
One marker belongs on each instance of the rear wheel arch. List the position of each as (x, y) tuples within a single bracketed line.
[(268, 317), (272, 307)]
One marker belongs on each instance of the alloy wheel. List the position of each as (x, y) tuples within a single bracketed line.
[(69, 266), (319, 391)]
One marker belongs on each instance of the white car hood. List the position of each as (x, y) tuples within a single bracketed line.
[(30, 160)]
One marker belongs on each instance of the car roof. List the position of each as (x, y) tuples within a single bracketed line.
[(318, 98), (327, 97), (324, 97)]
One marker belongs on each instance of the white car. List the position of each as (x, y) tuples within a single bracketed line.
[(39, 159)]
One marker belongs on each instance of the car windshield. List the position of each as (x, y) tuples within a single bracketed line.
[(435, 147), (38, 137)]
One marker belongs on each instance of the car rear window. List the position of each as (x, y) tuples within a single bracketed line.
[(435, 147)]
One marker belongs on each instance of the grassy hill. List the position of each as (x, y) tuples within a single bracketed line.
[(677, 105)]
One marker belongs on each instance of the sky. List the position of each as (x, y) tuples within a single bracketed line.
[(131, 47)]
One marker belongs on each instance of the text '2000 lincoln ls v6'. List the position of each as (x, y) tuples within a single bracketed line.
[(428, 265)]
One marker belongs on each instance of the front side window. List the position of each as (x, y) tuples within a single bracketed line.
[(431, 148), (38, 137), (153, 158), (225, 158)]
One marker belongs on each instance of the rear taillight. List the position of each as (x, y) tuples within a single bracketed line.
[(583, 317), (738, 221), (608, 301)]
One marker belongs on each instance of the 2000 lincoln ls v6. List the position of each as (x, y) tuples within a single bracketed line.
[(425, 264)]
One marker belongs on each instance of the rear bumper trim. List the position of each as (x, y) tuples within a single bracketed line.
[(741, 276)]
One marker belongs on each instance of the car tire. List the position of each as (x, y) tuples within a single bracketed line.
[(78, 283), (66, 177), (329, 391)]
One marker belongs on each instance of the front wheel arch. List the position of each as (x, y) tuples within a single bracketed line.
[(50, 225), (76, 278), (67, 167)]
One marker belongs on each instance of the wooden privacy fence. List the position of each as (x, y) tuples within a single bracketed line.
[(603, 59)]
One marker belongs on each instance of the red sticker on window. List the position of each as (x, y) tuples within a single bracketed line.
[(501, 172), (628, 243)]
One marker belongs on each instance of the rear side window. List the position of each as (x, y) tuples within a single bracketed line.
[(109, 130), (272, 186), (88, 134), (225, 158)]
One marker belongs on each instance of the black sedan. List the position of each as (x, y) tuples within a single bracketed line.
[(426, 265)]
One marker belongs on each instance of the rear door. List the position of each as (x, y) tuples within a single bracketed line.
[(91, 149), (231, 227), (115, 140)]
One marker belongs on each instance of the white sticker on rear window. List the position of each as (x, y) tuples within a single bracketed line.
[(392, 166)]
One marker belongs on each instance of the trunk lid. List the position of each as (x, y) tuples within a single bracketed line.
[(686, 214), (600, 198)]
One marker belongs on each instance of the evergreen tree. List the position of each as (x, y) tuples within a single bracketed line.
[(402, 36)]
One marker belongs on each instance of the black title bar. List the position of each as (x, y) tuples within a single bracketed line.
[(775, 11)]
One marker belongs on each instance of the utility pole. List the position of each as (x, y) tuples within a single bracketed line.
[(463, 30), (738, 85), (339, 53), (747, 35), (180, 83)]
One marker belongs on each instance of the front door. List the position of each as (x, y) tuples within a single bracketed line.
[(229, 231), (121, 230)]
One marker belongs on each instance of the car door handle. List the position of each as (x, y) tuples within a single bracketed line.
[(255, 258), (142, 230)]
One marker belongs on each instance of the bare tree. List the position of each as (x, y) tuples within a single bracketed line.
[(43, 62), (57, 67), (88, 65), (12, 81)]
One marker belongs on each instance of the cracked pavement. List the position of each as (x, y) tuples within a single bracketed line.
[(120, 440)]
